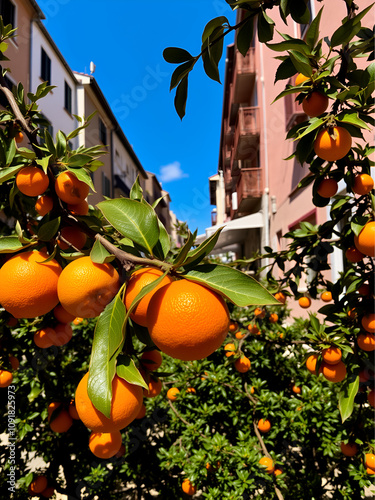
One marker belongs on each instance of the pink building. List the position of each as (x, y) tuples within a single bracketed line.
[(261, 200)]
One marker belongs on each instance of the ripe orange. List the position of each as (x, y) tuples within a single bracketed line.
[(75, 236), (191, 390), (141, 413), (6, 378), (304, 302), (188, 487), (368, 322), (332, 355), (187, 321), (365, 241), (253, 329), (70, 189), (273, 318), (32, 181), (18, 137), (366, 342), (333, 149), (311, 363), (73, 410), (242, 364), (58, 336), (81, 208), (230, 350), (280, 297), (296, 389), (301, 78), (370, 460), (354, 255), (364, 289), (315, 104), (38, 484), (62, 315), (85, 288), (151, 360), (138, 280), (172, 393), (277, 472), (334, 373), (349, 449), (233, 327), (267, 462), (370, 471), (363, 184), (42, 338), (259, 313), (239, 335), (264, 425), (43, 205), (125, 405), (60, 421), (77, 321), (154, 388), (326, 296), (14, 362), (105, 444), (371, 398), (28, 288), (327, 188)]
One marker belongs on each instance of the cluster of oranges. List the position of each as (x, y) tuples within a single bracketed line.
[(332, 366), (39, 486)]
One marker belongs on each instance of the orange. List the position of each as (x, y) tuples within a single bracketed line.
[(14, 362), (48, 492), (74, 236), (365, 241), (315, 104), (364, 289), (42, 338), (188, 487), (43, 205), (311, 363), (28, 288), (12, 322), (368, 322), (273, 318), (370, 460), (296, 389), (371, 398), (253, 329), (151, 360), (18, 137), (38, 484), (58, 336), (280, 297), (230, 350), (125, 405), (349, 449), (352, 314), (77, 321), (267, 462), (304, 302), (363, 184), (61, 421), (233, 327), (73, 410), (332, 144), (264, 425), (6, 378), (154, 388), (327, 188), (326, 296), (187, 321), (242, 364), (332, 355), (191, 390), (62, 315), (173, 393), (277, 472), (301, 78), (252, 390), (370, 471), (138, 280), (105, 444), (334, 373), (259, 313), (354, 255), (85, 288), (70, 189), (239, 335), (141, 413), (81, 208), (366, 342), (32, 181)]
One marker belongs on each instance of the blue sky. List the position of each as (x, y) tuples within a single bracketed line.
[(125, 39)]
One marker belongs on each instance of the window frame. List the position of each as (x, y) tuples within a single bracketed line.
[(45, 69), (68, 94), (13, 21), (102, 132)]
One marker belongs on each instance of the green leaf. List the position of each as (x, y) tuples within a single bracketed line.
[(48, 230), (163, 245), (312, 33), (345, 32), (181, 97), (26, 153), (127, 370), (107, 344), (180, 72), (348, 391), (49, 143), (293, 44), (180, 257), (202, 250), (176, 55), (265, 28), (238, 287), (78, 160), (211, 26), (133, 219), (300, 62), (10, 153), (245, 36), (83, 175), (9, 172), (99, 254), (43, 162), (60, 144), (358, 223), (299, 11), (10, 244), (136, 192), (314, 124), (352, 117)]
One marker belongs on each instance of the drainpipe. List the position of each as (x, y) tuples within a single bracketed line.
[(265, 204), (31, 54)]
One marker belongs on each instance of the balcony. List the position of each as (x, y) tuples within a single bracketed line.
[(246, 137), (249, 189), (244, 76), (293, 110)]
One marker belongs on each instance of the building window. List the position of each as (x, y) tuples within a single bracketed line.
[(45, 67), (102, 132), (106, 185), (68, 98), (8, 12)]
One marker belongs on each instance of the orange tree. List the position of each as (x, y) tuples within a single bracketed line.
[(207, 438)]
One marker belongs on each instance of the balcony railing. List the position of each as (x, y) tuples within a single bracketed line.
[(249, 188), (246, 136), (244, 76)]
